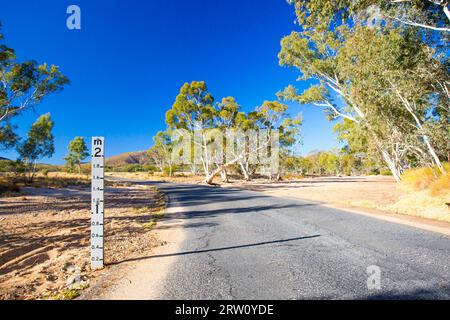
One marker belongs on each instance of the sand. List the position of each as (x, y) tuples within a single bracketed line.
[(44, 237)]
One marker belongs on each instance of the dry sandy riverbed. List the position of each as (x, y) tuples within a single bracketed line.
[(44, 237)]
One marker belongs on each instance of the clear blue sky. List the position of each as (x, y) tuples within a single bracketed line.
[(131, 57)]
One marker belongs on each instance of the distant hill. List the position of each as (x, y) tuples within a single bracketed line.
[(4, 159), (139, 157)]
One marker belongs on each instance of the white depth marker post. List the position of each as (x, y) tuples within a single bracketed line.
[(97, 211)]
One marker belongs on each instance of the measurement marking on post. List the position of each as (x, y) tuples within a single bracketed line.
[(97, 207)]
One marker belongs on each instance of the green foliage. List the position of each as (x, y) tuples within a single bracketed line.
[(161, 152), (385, 172), (227, 113), (39, 144), (390, 84), (66, 294), (386, 82), (132, 168), (8, 138), (331, 163), (6, 165), (322, 12), (169, 171), (426, 14), (24, 85), (78, 152), (193, 106), (194, 110)]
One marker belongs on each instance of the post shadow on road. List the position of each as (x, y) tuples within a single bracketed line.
[(250, 245)]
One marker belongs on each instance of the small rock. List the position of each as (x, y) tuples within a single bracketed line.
[(73, 281), (71, 268), (52, 278)]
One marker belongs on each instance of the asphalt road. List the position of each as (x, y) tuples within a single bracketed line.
[(246, 245)]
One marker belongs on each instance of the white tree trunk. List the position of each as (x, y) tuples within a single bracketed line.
[(224, 175), (392, 166), (244, 171), (210, 178), (421, 129)]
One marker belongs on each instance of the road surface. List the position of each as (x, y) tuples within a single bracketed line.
[(246, 245)]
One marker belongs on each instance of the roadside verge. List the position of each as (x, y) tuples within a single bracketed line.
[(143, 278)]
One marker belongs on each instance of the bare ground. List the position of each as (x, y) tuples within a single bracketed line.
[(366, 193), (355, 191), (369, 194), (44, 237)]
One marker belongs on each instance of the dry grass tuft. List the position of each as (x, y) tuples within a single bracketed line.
[(419, 178), (422, 178), (441, 186), (428, 193), (422, 204)]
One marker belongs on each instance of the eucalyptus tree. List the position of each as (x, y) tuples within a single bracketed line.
[(428, 14), (194, 111), (371, 84), (393, 78), (78, 151), (161, 152), (225, 136), (23, 85), (38, 144), (313, 51), (8, 138), (290, 140), (228, 112), (254, 138), (273, 119)]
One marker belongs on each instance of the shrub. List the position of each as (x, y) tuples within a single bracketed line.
[(441, 186), (385, 172), (7, 187), (6, 166), (167, 171), (422, 178), (149, 168), (45, 172), (419, 178), (132, 168)]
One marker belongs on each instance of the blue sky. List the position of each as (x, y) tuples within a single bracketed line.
[(131, 57)]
